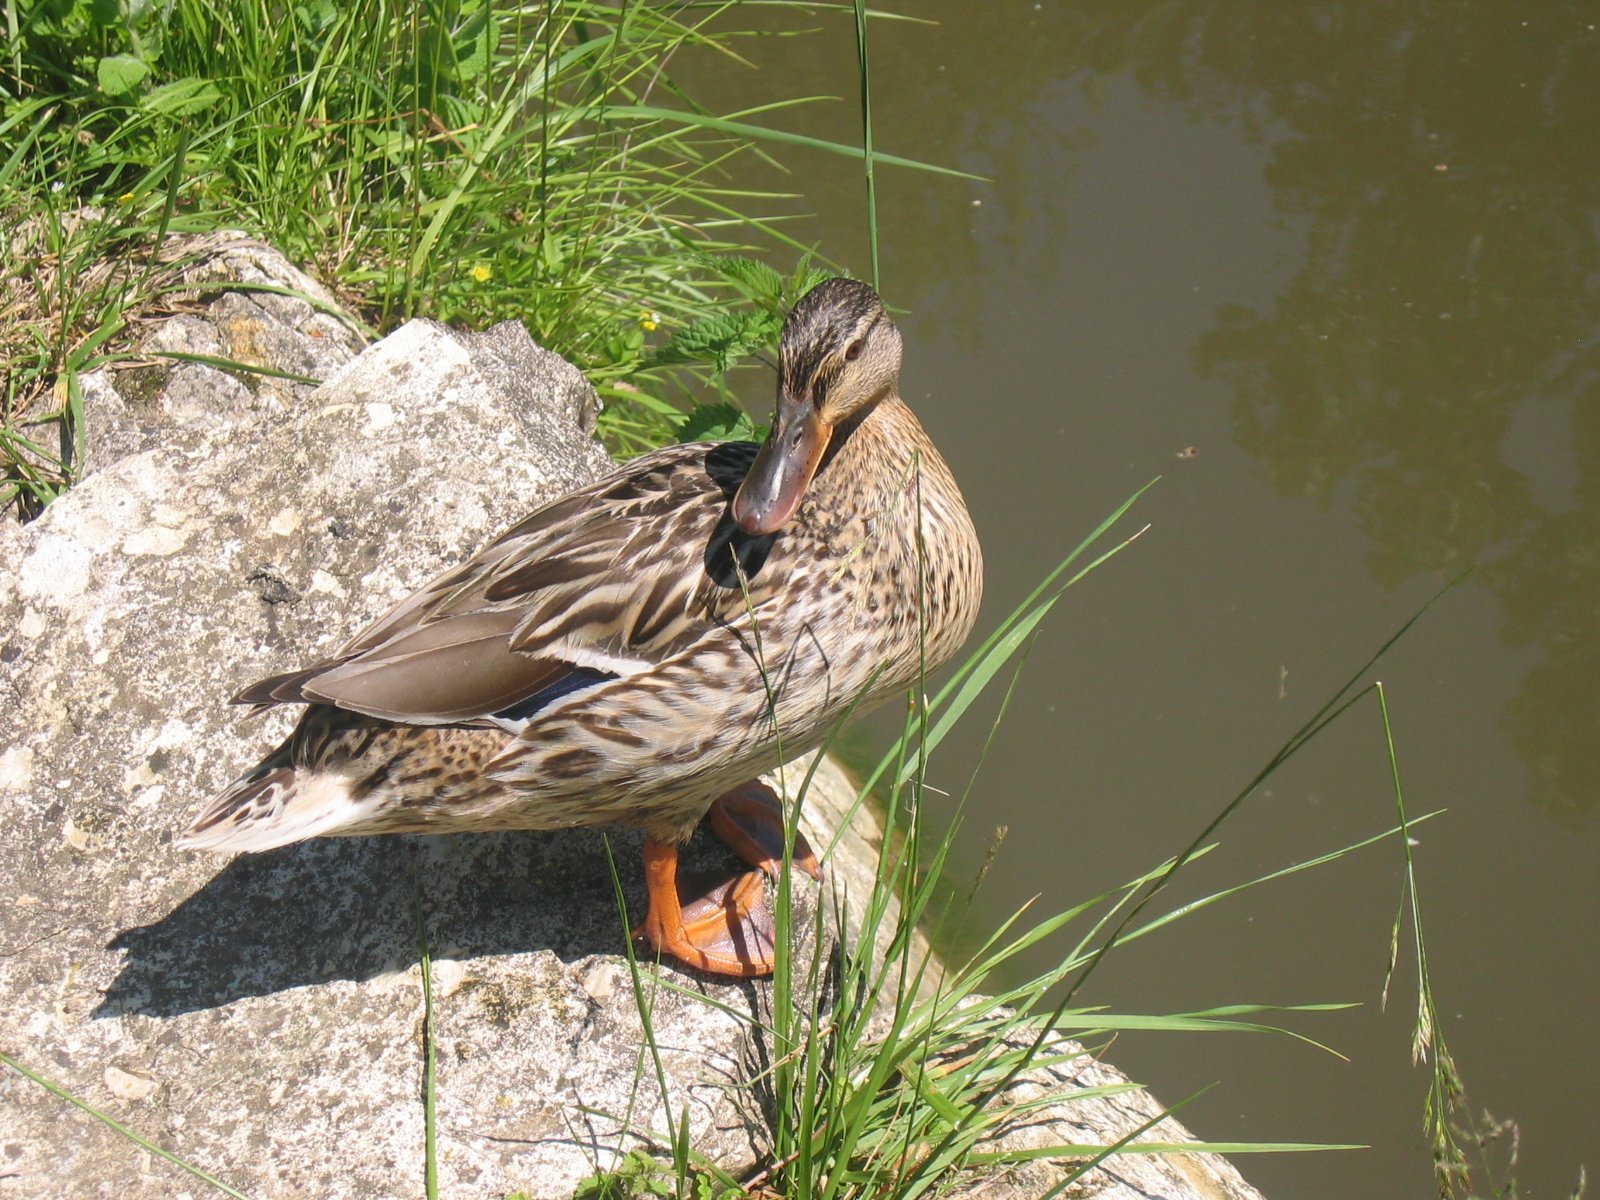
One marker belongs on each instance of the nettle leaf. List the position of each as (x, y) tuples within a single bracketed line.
[(316, 16), (475, 43), (720, 341), (754, 277), (717, 423), (120, 73), (805, 278), (555, 258)]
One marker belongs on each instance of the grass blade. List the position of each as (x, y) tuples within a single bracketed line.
[(647, 112), (430, 1123), (112, 1123)]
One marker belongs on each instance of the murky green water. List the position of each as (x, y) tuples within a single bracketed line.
[(1350, 253)]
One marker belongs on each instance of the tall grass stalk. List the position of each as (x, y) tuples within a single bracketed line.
[(864, 59), (1443, 1087), (430, 1103)]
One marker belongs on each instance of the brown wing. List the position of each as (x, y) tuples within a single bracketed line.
[(606, 581)]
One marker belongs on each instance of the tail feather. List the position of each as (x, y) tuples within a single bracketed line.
[(274, 805)]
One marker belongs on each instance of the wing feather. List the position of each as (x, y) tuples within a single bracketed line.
[(606, 581)]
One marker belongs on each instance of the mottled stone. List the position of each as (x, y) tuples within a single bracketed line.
[(295, 330)]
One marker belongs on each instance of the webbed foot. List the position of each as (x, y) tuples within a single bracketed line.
[(749, 818), (729, 930)]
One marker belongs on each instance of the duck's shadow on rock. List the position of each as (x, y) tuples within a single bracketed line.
[(346, 909)]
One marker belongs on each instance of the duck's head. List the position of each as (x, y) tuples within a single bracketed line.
[(839, 355)]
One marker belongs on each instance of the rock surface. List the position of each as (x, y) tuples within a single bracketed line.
[(282, 320), (262, 1017)]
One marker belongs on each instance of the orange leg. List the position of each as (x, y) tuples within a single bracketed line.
[(724, 933), (728, 931)]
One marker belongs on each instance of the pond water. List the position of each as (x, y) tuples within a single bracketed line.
[(1349, 254)]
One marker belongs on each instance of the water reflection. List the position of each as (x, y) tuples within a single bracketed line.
[(1437, 163)]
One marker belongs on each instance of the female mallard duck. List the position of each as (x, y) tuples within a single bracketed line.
[(640, 651)]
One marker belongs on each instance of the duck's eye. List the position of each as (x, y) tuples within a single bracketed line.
[(852, 351)]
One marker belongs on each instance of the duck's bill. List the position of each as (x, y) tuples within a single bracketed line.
[(782, 471)]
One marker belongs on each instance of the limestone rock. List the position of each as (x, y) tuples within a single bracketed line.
[(273, 1001)]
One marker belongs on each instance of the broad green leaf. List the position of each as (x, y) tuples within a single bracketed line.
[(181, 97), (120, 73)]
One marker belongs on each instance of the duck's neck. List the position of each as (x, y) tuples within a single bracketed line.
[(882, 438), (887, 491)]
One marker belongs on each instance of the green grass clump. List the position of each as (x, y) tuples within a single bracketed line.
[(456, 159), (640, 1177)]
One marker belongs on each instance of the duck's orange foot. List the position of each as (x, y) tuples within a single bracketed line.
[(749, 819), (729, 930)]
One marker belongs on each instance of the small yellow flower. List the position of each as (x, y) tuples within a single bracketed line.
[(482, 273), (650, 321), (125, 198)]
